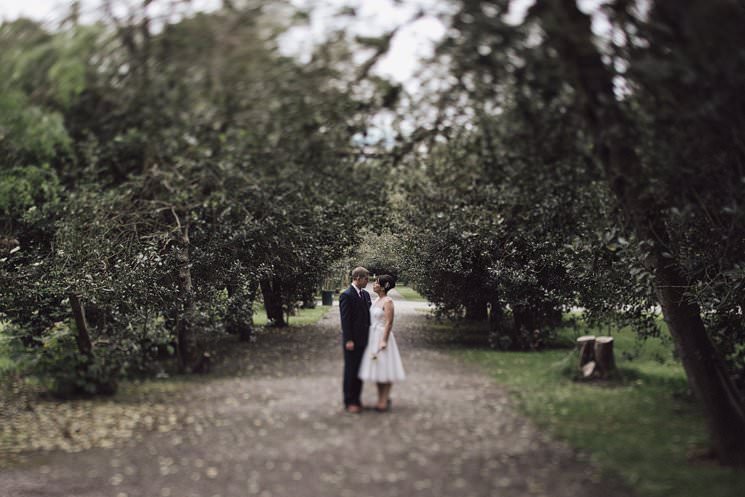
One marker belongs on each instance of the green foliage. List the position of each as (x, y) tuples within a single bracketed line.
[(489, 223), (52, 68), (65, 372), (180, 176), (380, 254), (69, 72), (29, 134), (26, 193), (30, 198)]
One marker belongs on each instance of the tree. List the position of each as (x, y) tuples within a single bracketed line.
[(569, 29)]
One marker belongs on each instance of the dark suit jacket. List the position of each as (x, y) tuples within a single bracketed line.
[(355, 316)]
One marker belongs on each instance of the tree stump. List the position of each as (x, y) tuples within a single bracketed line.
[(604, 358), (586, 346)]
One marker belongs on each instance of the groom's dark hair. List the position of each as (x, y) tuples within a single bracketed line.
[(387, 282)]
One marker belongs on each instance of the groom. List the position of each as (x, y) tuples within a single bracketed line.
[(354, 307)]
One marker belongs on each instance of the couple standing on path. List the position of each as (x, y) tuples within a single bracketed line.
[(370, 350)]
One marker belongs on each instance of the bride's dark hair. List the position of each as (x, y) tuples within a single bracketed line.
[(386, 281)]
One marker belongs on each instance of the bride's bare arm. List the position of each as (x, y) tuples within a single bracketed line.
[(388, 312)]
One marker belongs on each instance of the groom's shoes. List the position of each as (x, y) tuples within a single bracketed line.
[(354, 409)]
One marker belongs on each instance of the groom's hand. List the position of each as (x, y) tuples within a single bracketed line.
[(349, 345)]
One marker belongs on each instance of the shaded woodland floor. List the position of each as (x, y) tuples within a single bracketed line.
[(269, 422)]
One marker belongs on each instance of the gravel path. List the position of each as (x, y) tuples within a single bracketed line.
[(270, 423)]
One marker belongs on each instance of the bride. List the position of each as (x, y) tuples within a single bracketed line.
[(381, 362)]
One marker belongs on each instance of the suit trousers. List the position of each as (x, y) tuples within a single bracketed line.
[(352, 383)]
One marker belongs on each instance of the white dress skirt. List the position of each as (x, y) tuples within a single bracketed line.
[(382, 366)]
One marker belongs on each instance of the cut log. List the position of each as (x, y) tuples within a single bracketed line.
[(588, 369), (606, 361), (586, 347)]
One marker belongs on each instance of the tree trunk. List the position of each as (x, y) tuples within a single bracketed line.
[(707, 374), (185, 339), (476, 310), (496, 314), (271, 289), (569, 31), (82, 337)]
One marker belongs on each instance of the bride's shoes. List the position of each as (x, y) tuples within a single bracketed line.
[(386, 408)]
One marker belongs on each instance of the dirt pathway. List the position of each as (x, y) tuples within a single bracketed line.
[(274, 427)]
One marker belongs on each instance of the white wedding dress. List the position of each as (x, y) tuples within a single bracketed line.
[(382, 366)]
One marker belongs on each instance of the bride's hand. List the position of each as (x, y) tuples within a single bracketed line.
[(383, 345)]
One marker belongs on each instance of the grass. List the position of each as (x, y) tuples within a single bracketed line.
[(409, 293), (644, 428), (302, 317)]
